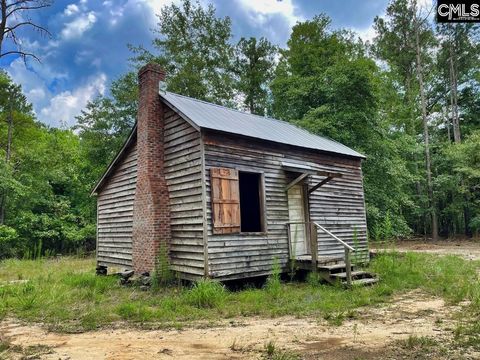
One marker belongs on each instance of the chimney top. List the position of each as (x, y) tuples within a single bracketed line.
[(151, 67)]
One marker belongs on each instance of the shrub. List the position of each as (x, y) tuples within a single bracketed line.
[(274, 285), (206, 293), (474, 225), (162, 275), (9, 242)]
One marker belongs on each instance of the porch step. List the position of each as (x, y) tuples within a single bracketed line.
[(365, 281), (333, 268), (338, 273), (355, 275)]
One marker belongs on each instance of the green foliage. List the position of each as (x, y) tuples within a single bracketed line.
[(327, 81), (206, 293), (274, 284), (272, 352), (9, 241), (162, 275), (42, 188), (327, 84), (193, 45), (313, 278), (55, 289), (254, 65)]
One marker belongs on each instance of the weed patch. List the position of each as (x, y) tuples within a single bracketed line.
[(65, 295), (272, 352), (206, 294)]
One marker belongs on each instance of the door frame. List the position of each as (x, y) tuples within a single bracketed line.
[(306, 216)]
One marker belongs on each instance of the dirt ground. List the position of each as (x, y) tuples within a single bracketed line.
[(373, 333), (468, 249)]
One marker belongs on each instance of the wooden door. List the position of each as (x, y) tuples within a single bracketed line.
[(296, 213)]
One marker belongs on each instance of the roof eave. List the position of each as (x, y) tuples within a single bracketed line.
[(355, 156)]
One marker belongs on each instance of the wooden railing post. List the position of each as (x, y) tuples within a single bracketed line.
[(289, 237), (348, 266), (314, 245)]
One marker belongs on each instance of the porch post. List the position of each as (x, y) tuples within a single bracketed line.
[(313, 245)]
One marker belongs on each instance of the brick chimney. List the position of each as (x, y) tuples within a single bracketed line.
[(151, 214)]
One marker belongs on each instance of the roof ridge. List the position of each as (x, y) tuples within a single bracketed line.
[(227, 108)]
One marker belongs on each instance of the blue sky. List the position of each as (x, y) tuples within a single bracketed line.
[(88, 47)]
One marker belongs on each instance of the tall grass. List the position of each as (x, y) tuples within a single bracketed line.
[(273, 285), (206, 293), (66, 295)]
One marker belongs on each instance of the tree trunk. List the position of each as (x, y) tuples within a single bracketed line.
[(425, 129), (411, 130), (9, 134), (454, 96), (3, 21), (8, 154)]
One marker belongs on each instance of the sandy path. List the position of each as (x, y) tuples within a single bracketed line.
[(469, 250), (413, 313)]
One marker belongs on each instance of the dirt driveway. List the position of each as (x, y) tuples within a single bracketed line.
[(468, 249), (372, 334)]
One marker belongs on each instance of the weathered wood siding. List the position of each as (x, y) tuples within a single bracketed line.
[(183, 172), (115, 212), (338, 205)]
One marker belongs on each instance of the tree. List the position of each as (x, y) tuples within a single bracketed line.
[(13, 107), (457, 61), (105, 123), (43, 189), (193, 46), (325, 83), (254, 67), (423, 104), (404, 42), (14, 17)]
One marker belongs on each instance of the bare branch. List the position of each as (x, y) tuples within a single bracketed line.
[(9, 32), (19, 2), (20, 8), (37, 27), (22, 54)]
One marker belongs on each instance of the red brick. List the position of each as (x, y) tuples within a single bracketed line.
[(151, 213)]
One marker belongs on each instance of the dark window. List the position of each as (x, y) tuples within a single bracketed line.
[(251, 203)]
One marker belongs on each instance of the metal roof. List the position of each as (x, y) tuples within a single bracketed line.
[(215, 117)]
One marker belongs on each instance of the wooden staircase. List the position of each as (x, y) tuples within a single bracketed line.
[(337, 274), (335, 270)]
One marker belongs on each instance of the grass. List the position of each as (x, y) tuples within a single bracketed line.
[(66, 295), (271, 352)]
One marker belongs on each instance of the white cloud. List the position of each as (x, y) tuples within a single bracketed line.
[(60, 109), (260, 10), (36, 95), (157, 5), (424, 5), (71, 9), (366, 34), (63, 107), (77, 27)]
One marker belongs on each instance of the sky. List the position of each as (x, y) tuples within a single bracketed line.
[(88, 44)]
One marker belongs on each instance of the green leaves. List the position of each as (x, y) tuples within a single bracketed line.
[(193, 45), (254, 65)]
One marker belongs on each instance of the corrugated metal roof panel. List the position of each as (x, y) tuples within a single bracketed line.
[(215, 117)]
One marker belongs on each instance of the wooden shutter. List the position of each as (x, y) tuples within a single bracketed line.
[(225, 200)]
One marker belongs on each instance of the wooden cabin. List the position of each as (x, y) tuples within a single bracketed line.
[(226, 193)]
